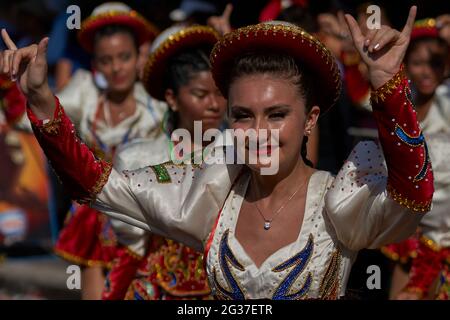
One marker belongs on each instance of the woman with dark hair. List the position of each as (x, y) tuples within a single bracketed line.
[(178, 71), (106, 114), (289, 234)]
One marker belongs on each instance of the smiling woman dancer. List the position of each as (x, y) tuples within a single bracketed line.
[(291, 235)]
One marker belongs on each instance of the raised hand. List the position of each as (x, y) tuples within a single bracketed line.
[(382, 50), (28, 65), (222, 23)]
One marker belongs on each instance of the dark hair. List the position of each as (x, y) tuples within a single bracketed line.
[(427, 40), (181, 69), (113, 29), (282, 66)]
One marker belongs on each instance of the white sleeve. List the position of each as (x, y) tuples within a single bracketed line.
[(362, 213), (164, 200)]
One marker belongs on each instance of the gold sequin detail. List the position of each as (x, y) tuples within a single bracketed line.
[(388, 88), (419, 207)]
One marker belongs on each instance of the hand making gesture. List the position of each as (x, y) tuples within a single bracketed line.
[(28, 66), (382, 50)]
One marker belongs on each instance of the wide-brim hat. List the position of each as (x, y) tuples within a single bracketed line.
[(168, 44), (115, 13), (425, 28), (280, 37)]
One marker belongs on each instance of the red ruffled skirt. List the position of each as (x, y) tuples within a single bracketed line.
[(87, 239)]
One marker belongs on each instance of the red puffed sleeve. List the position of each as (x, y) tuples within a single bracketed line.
[(410, 177), (81, 172)]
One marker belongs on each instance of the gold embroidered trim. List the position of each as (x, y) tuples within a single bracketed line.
[(113, 14), (133, 254), (52, 127), (390, 254), (81, 261), (420, 207), (101, 181), (287, 31), (170, 42), (430, 243), (386, 89), (329, 286)]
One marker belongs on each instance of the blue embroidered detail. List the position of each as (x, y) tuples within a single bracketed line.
[(226, 256), (299, 261), (415, 142), (137, 296)]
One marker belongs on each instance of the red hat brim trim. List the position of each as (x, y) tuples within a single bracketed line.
[(144, 30), (156, 66)]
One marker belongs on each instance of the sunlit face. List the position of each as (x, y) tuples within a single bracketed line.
[(116, 58), (198, 100), (266, 102), (426, 67)]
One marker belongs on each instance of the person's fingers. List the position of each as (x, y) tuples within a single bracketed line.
[(407, 29), (227, 12), (341, 19), (7, 55), (382, 39), (9, 43), (355, 31), (369, 37)]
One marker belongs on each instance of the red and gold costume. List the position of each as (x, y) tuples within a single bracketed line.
[(169, 270), (367, 205), (427, 249), (88, 237)]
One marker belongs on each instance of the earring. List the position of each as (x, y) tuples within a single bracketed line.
[(308, 132)]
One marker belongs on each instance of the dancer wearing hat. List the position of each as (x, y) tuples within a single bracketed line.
[(289, 235), (426, 65), (106, 117), (178, 71)]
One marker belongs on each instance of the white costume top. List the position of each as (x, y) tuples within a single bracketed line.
[(134, 155), (81, 98), (435, 225), (342, 216)]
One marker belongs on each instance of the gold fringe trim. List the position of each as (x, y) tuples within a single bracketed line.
[(81, 261), (430, 243), (415, 290), (386, 89), (420, 207), (133, 254), (101, 180), (52, 127)]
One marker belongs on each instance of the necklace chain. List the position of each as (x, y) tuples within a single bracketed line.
[(268, 222)]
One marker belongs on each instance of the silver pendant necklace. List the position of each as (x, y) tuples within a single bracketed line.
[(268, 222)]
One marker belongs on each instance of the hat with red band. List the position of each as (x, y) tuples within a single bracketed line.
[(284, 38), (115, 13), (169, 43)]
